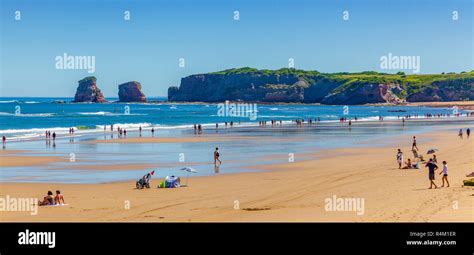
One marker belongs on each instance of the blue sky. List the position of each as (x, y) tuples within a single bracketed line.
[(203, 32)]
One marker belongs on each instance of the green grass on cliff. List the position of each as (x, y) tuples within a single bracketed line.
[(412, 83), (88, 78)]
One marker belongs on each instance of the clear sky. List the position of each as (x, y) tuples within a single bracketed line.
[(147, 48)]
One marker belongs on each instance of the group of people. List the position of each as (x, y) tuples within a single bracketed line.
[(431, 165), (468, 133), (48, 135), (198, 128), (52, 200)]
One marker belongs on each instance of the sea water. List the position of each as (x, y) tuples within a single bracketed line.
[(259, 145)]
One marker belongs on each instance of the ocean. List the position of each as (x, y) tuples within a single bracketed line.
[(29, 118), (247, 147)]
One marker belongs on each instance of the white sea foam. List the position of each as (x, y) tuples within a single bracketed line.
[(27, 114), (102, 113)]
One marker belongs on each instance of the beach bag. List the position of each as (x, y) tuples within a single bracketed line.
[(162, 184)]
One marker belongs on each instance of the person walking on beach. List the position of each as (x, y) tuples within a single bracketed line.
[(431, 172), (413, 146), (4, 141), (468, 132), (400, 158), (54, 136), (216, 157), (152, 131), (445, 173), (460, 133)]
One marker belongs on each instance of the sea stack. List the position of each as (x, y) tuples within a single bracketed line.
[(131, 92), (87, 91)]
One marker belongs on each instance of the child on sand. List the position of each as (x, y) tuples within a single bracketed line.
[(408, 164), (445, 173), (59, 199), (399, 158), (431, 174)]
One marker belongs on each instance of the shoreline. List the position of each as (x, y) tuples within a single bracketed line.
[(282, 192)]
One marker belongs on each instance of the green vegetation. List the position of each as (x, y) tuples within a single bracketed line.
[(410, 83), (88, 78)]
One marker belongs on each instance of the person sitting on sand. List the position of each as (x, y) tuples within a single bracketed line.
[(435, 159), (431, 173), (47, 200), (216, 157), (408, 164), (445, 173), (399, 158), (59, 198)]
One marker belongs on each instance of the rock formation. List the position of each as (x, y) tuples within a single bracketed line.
[(131, 92), (87, 91), (292, 85)]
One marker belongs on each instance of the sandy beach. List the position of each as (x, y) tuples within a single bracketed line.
[(294, 191)]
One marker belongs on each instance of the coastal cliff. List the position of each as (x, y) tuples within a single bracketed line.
[(131, 92), (87, 91), (297, 86)]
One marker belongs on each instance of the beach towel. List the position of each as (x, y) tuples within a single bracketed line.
[(469, 182)]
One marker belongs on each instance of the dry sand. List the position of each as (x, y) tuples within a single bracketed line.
[(286, 192)]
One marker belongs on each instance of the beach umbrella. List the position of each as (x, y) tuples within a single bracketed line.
[(188, 170), (431, 151)]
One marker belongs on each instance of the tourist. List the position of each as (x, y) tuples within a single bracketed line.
[(431, 174), (408, 165), (399, 158), (435, 159), (47, 200), (460, 133), (445, 173), (413, 146), (216, 157), (59, 198), (468, 132)]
